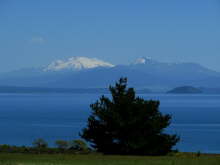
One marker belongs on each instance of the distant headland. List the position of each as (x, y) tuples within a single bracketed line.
[(185, 89)]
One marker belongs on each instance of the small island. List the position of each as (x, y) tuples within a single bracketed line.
[(185, 90)]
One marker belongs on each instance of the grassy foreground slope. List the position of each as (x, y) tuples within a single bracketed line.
[(28, 159)]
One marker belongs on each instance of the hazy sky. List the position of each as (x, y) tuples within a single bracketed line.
[(36, 32)]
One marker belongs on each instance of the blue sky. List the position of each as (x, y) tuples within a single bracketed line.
[(35, 32)]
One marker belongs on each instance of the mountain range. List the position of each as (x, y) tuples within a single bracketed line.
[(84, 72)]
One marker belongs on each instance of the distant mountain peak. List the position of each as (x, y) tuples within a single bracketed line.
[(77, 63), (144, 60)]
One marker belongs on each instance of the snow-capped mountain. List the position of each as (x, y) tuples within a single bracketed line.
[(77, 63), (86, 72)]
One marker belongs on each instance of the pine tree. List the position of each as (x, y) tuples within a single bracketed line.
[(126, 124)]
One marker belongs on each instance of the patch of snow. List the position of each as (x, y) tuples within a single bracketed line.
[(77, 63), (144, 60)]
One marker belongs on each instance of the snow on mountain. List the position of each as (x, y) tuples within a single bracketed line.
[(143, 73), (144, 60), (77, 63)]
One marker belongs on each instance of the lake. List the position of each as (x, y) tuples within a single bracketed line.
[(25, 117)]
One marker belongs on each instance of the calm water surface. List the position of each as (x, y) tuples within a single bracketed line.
[(25, 117)]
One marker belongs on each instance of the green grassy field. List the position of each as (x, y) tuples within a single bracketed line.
[(28, 159)]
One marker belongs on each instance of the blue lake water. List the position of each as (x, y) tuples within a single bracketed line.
[(25, 117)]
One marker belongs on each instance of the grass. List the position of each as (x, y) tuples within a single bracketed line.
[(64, 159)]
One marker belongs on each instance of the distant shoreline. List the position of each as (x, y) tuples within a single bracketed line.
[(47, 90), (42, 90)]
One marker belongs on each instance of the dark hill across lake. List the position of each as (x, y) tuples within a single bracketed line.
[(186, 89)]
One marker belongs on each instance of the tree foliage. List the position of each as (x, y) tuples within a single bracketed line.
[(40, 143), (127, 124), (78, 145), (62, 144)]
